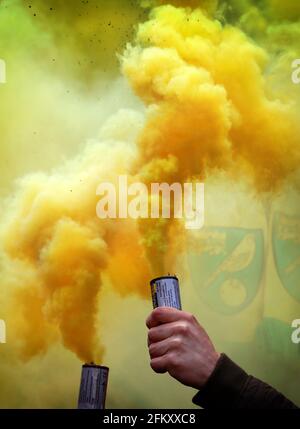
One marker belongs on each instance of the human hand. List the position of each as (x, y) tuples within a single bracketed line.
[(180, 346)]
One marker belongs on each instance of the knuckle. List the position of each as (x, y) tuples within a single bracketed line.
[(182, 328), (173, 361), (176, 343)]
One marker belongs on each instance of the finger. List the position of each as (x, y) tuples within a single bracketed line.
[(159, 364), (161, 348), (163, 315), (161, 332)]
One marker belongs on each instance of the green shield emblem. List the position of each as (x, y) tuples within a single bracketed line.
[(226, 266), (286, 250)]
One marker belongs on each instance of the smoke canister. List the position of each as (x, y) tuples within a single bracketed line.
[(93, 386), (165, 292)]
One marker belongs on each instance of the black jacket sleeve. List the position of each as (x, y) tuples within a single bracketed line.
[(230, 387)]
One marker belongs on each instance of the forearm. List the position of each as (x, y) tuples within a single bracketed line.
[(231, 387)]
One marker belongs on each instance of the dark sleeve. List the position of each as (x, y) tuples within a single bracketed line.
[(229, 386)]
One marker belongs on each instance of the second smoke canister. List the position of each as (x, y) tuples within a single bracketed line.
[(94, 380), (165, 292)]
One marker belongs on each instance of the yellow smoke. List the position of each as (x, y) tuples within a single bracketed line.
[(55, 252), (208, 109), (206, 5)]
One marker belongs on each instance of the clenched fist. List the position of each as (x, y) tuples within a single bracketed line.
[(180, 346)]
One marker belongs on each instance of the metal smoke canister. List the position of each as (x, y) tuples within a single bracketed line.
[(165, 292), (93, 386)]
